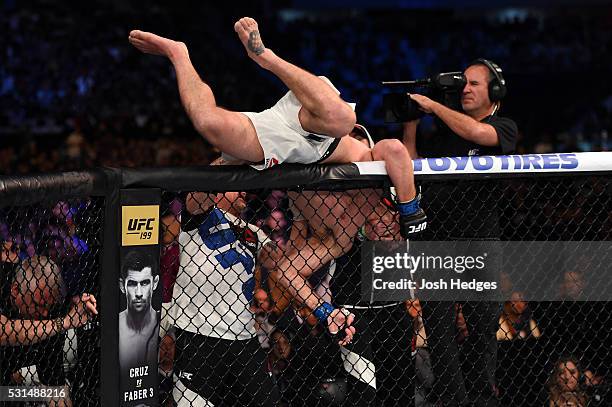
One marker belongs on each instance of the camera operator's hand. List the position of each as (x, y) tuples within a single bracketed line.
[(425, 103)]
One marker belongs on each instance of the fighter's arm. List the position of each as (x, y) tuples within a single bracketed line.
[(289, 269), (294, 286), (461, 124), (316, 252), (272, 258), (307, 255), (284, 287)]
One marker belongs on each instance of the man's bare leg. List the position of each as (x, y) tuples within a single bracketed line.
[(231, 132), (396, 157), (323, 111), (398, 165), (399, 168)]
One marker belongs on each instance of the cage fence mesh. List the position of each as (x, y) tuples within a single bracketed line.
[(50, 257), (239, 271), (236, 325)]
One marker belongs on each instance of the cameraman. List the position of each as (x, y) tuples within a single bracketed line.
[(475, 131), (465, 211)]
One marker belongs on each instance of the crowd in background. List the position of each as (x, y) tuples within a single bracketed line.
[(74, 94), (532, 335)]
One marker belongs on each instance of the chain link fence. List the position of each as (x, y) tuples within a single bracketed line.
[(515, 353), (50, 257), (243, 276)]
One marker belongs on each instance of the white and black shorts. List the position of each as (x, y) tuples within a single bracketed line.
[(282, 137), (213, 372)]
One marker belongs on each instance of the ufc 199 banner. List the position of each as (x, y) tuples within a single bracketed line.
[(140, 298)]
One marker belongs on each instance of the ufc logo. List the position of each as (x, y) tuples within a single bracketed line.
[(417, 228), (138, 224), (185, 375)]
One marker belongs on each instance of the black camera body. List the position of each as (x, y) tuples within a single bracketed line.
[(444, 88)]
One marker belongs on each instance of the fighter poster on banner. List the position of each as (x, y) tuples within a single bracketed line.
[(140, 298)]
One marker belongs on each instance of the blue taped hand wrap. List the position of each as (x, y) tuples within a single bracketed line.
[(323, 311), (408, 208)]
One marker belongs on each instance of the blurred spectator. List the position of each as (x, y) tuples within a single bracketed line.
[(167, 350), (36, 286), (280, 351), (422, 360), (275, 200), (7, 254), (33, 294), (572, 286), (597, 389), (169, 266), (591, 379), (169, 260), (462, 327), (276, 226), (564, 386), (114, 109), (516, 321)]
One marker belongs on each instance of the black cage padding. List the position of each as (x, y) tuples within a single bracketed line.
[(29, 189)]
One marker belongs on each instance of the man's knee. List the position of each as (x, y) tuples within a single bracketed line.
[(390, 149), (335, 120), (341, 120)]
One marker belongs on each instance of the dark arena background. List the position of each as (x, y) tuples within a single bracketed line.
[(133, 273)]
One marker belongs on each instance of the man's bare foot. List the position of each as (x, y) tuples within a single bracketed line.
[(150, 43), (248, 32)]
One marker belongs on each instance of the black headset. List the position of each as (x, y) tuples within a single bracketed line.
[(497, 86)]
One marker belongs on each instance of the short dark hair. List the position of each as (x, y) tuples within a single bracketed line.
[(138, 260)]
